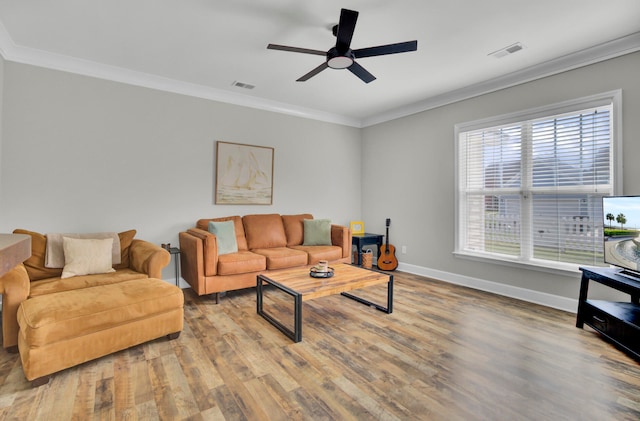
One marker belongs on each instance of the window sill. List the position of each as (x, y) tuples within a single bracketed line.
[(557, 268)]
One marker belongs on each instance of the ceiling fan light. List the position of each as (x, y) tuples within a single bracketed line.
[(340, 62)]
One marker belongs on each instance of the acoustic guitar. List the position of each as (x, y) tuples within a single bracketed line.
[(387, 259)]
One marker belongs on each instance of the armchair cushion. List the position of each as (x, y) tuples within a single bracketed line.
[(35, 264), (126, 238), (86, 256), (54, 257), (54, 285)]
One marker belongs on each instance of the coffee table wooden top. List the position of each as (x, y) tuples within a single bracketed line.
[(346, 277)]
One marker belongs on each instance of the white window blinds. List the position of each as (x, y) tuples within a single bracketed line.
[(531, 190)]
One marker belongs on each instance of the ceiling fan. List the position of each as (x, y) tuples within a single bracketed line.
[(342, 56)]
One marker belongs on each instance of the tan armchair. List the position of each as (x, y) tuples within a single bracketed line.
[(139, 259)]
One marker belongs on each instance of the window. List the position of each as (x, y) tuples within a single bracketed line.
[(530, 185)]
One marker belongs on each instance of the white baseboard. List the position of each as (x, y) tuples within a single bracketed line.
[(542, 298)]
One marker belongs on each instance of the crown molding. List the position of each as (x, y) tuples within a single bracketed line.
[(18, 54), (596, 54), (11, 52)]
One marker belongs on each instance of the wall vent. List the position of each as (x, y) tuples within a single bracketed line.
[(243, 85), (513, 48)]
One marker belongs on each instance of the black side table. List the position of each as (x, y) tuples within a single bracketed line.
[(365, 239), (175, 251)]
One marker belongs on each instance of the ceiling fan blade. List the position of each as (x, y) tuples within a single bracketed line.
[(346, 27), (401, 47), (313, 72), (361, 72), (296, 49)]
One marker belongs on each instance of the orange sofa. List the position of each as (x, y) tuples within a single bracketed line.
[(264, 242)]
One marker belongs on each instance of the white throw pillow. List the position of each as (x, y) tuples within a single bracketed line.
[(86, 256)]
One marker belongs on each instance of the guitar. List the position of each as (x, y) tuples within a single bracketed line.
[(387, 259)]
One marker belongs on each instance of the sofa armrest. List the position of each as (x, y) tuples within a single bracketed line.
[(148, 258), (15, 287), (198, 257), (341, 237), (209, 250)]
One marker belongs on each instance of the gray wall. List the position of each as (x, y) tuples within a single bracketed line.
[(1, 101), (408, 176), (83, 154)]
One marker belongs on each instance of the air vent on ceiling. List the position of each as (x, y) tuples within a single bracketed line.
[(243, 85), (513, 48)]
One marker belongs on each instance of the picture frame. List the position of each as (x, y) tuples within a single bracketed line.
[(244, 174), (357, 227)]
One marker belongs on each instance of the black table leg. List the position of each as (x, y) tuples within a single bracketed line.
[(295, 334), (388, 309)]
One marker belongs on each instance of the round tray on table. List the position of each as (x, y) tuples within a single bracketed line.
[(315, 273)]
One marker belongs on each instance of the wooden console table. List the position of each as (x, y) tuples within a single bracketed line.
[(617, 321)]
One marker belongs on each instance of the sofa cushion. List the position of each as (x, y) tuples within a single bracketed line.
[(203, 224), (264, 231), (283, 257), (294, 228), (226, 236), (317, 253), (317, 232), (55, 284), (241, 262), (35, 264), (86, 256)]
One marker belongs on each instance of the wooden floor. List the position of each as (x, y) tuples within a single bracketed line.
[(446, 353)]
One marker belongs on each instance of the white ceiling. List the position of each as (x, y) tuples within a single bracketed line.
[(200, 47)]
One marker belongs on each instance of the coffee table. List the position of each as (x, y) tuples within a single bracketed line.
[(297, 283)]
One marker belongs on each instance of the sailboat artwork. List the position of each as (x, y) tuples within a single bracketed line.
[(244, 174)]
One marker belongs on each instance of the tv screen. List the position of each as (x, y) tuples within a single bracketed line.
[(621, 217)]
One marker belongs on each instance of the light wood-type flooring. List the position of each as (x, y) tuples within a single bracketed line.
[(445, 353)]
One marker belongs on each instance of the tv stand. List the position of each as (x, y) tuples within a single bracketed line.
[(617, 321)]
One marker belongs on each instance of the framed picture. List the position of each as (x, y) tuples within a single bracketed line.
[(357, 227), (244, 174)]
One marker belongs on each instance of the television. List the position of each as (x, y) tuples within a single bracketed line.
[(621, 222)]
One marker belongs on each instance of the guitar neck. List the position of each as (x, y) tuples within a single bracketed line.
[(387, 223)]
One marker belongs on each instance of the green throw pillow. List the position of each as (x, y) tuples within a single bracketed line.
[(226, 233), (317, 232)]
